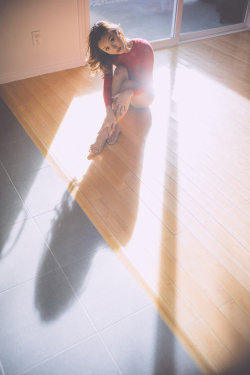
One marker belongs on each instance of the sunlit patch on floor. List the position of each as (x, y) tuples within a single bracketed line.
[(76, 133)]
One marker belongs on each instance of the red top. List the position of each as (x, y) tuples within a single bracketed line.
[(139, 61)]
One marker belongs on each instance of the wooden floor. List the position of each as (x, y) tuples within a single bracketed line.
[(172, 197)]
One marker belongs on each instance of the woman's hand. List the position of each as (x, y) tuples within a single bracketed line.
[(109, 121), (121, 102)]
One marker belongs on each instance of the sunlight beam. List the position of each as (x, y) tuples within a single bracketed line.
[(76, 133)]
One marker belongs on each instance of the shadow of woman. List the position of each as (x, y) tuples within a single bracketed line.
[(112, 181), (71, 238)]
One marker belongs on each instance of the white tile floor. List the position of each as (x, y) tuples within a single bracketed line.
[(67, 304)]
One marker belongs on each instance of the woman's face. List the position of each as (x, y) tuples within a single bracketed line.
[(112, 43)]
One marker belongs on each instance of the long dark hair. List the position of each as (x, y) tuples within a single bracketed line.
[(99, 60)]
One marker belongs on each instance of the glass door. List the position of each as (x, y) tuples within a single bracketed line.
[(165, 22), (153, 20), (206, 17)]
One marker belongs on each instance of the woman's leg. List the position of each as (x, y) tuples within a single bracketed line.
[(99, 144), (112, 139), (121, 83), (120, 79), (120, 76)]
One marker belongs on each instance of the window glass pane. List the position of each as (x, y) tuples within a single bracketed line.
[(147, 19), (207, 14)]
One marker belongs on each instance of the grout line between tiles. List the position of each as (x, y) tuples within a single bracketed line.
[(49, 358), (85, 311), (61, 268)]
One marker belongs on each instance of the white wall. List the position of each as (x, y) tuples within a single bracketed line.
[(63, 36)]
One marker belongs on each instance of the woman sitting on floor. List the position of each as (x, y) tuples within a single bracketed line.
[(131, 83)]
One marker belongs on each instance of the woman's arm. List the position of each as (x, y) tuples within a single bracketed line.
[(107, 89), (110, 121)]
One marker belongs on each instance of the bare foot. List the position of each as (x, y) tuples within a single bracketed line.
[(114, 136), (98, 146)]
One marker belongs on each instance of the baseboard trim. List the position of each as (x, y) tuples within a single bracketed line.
[(37, 71)]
